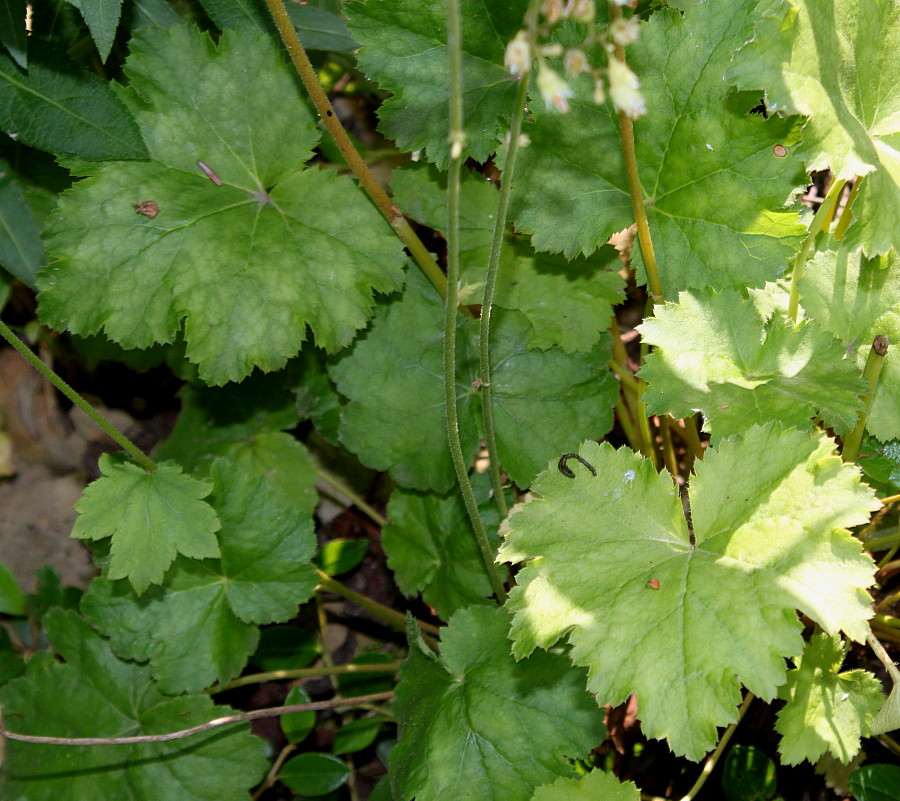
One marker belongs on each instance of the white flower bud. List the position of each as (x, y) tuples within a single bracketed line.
[(552, 50), (553, 89), (582, 11), (518, 54), (552, 11), (624, 31), (624, 89), (575, 63), (599, 92)]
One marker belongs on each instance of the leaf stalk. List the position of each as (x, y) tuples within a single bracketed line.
[(871, 373)]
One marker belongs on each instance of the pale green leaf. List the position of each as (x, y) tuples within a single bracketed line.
[(825, 709), (246, 266), (714, 190), (858, 299), (475, 718), (151, 518), (200, 626), (404, 48), (568, 303), (593, 786), (544, 401), (431, 549), (102, 18), (94, 694), (683, 617), (836, 63), (716, 353), (70, 113)]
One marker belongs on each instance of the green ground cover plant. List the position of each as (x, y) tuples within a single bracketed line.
[(628, 493)]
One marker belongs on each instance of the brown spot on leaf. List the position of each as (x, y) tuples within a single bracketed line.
[(147, 207)]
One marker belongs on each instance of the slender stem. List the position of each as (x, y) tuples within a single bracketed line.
[(357, 500), (889, 499), (322, 620), (714, 757), (272, 775), (818, 222), (620, 358), (668, 450), (457, 137), (117, 436), (874, 363), (490, 278), (693, 437), (878, 544), (625, 420), (256, 714), (390, 616), (629, 382), (889, 743), (847, 214), (883, 657), (360, 169), (303, 673)]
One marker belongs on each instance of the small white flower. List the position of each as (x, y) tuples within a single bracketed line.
[(552, 11), (552, 50), (624, 89), (624, 31), (599, 92), (582, 11), (575, 62), (518, 54), (553, 89)]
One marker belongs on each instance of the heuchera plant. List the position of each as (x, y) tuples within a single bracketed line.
[(221, 219)]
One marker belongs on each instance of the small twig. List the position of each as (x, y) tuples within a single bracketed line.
[(357, 500), (272, 775), (883, 657), (256, 714), (304, 673)]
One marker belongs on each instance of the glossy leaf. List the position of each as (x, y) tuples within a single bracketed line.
[(151, 517), (95, 694), (683, 617), (297, 725), (341, 555), (876, 783), (476, 718), (314, 774), (245, 299)]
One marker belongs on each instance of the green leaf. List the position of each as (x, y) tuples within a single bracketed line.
[(719, 354), (12, 663), (151, 517), (102, 18), (314, 774), (154, 13), (69, 113), (12, 599), (352, 684), (857, 299), (477, 719), (341, 555), (297, 725), (242, 423), (21, 252), (682, 618), (234, 13), (95, 694), (48, 594), (593, 786), (837, 65), (248, 277), (404, 48), (13, 35), (825, 709), (284, 648), (748, 775), (356, 735), (431, 550), (319, 29), (713, 189), (544, 401), (201, 625), (876, 783), (317, 398), (880, 461), (568, 303)]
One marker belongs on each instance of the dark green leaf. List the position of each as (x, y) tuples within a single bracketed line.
[(356, 735), (367, 683), (284, 648), (13, 35), (319, 29), (314, 774), (95, 694), (876, 783), (66, 112), (748, 775), (341, 555), (12, 599), (232, 13), (155, 13), (297, 725), (49, 594), (11, 662), (880, 461), (102, 18), (21, 252)]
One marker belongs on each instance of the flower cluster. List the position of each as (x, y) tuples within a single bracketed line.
[(623, 85)]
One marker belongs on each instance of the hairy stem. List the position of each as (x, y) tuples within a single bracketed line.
[(490, 278), (457, 137), (117, 436), (874, 363), (818, 223), (356, 163)]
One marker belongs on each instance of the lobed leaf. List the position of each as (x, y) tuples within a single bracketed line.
[(825, 709), (719, 354), (151, 517), (683, 617), (95, 694), (247, 264), (475, 718), (714, 189), (591, 786)]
